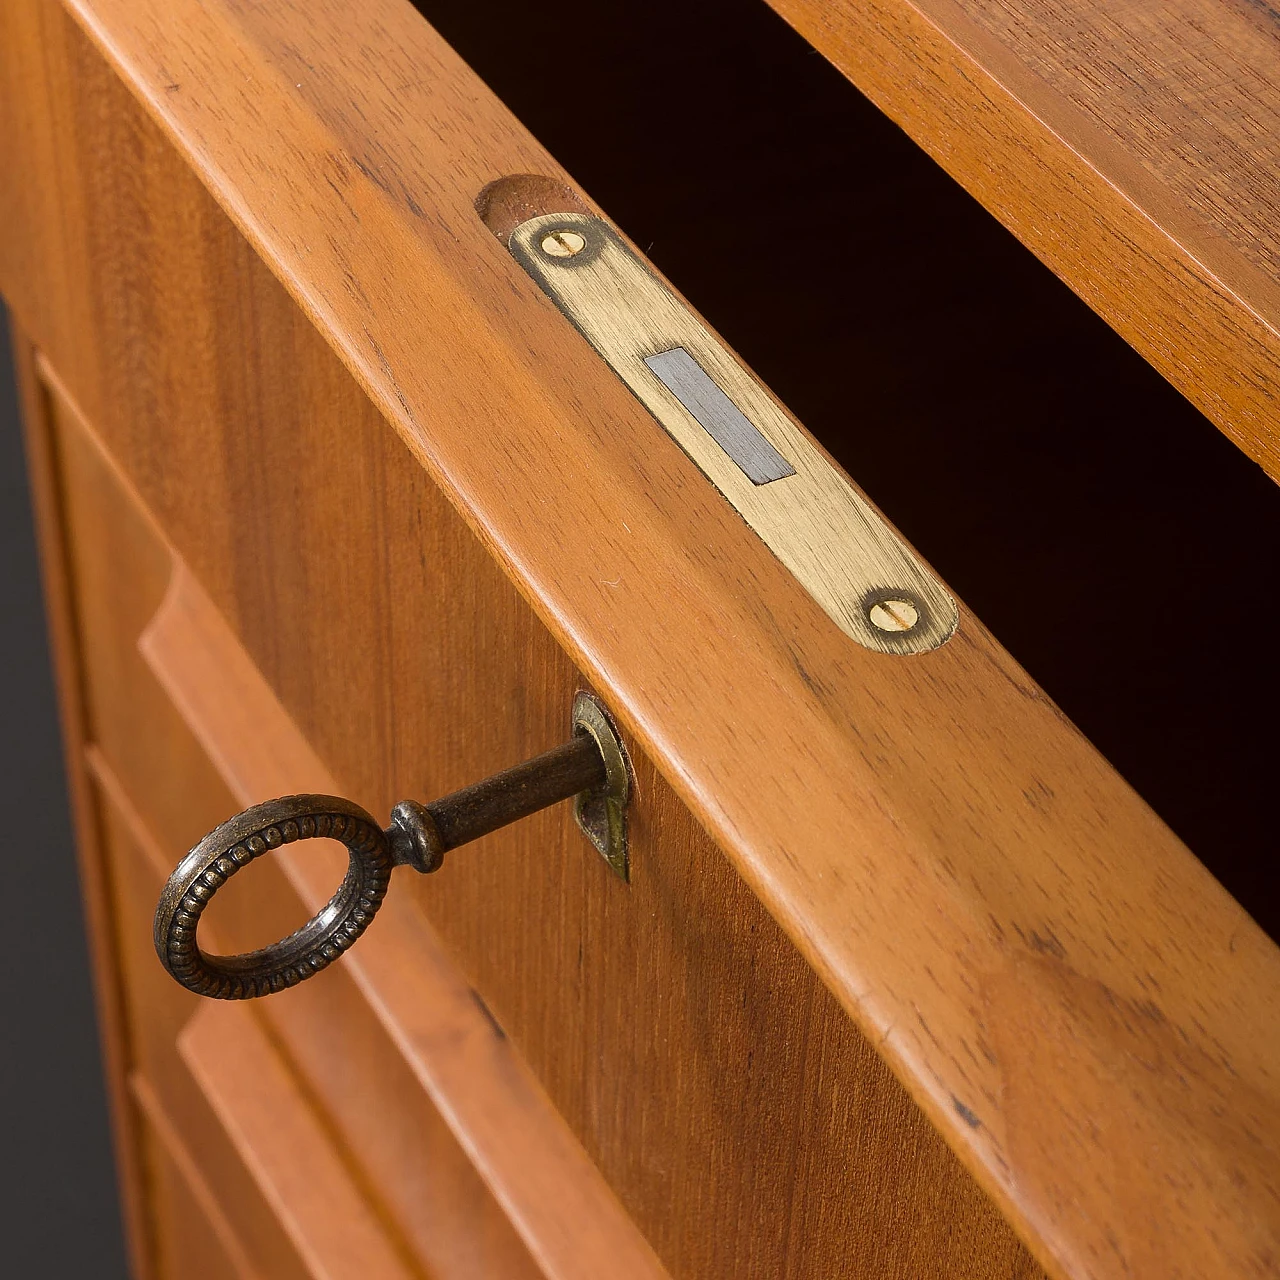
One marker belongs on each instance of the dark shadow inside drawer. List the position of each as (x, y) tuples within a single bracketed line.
[(1111, 537)]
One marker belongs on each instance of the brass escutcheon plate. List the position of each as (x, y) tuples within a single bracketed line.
[(822, 529), (602, 815)]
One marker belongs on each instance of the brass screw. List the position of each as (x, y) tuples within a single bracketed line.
[(894, 615), (563, 244)]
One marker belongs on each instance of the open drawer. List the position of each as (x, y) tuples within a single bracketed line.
[(907, 979), (376, 1121)]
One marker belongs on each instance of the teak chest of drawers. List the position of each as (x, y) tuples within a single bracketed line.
[(907, 979)]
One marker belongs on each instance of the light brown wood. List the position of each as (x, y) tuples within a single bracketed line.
[(456, 1227), (812, 1159), (541, 1180), (722, 1147), (1133, 150), (198, 1241), (565, 1214), (405, 977), (67, 656), (1055, 979), (294, 1166)]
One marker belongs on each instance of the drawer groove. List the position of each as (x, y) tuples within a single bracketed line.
[(183, 1254), (567, 1217), (287, 304), (292, 1163)]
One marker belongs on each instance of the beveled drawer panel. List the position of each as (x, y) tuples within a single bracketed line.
[(191, 1137), (182, 725), (192, 1238), (904, 966), (741, 1120), (294, 1169)]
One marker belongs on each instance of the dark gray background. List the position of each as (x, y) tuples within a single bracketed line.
[(60, 1208)]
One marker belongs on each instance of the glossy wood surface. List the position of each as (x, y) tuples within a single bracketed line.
[(636, 1012), (1133, 149), (1048, 971), (157, 659), (566, 1215), (295, 1167), (194, 1238), (644, 1056), (638, 1004), (50, 515)]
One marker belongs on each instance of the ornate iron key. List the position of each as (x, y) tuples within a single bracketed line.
[(591, 768)]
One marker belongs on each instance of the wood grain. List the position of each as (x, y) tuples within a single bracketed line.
[(646, 1055), (158, 659), (295, 1167), (198, 1241), (565, 1214), (1055, 979), (683, 985), (1132, 149), (405, 976), (67, 656)]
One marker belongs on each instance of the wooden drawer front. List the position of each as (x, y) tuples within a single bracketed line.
[(741, 1119), (745, 1124), (192, 1239), (659, 1076), (405, 512), (157, 791)]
